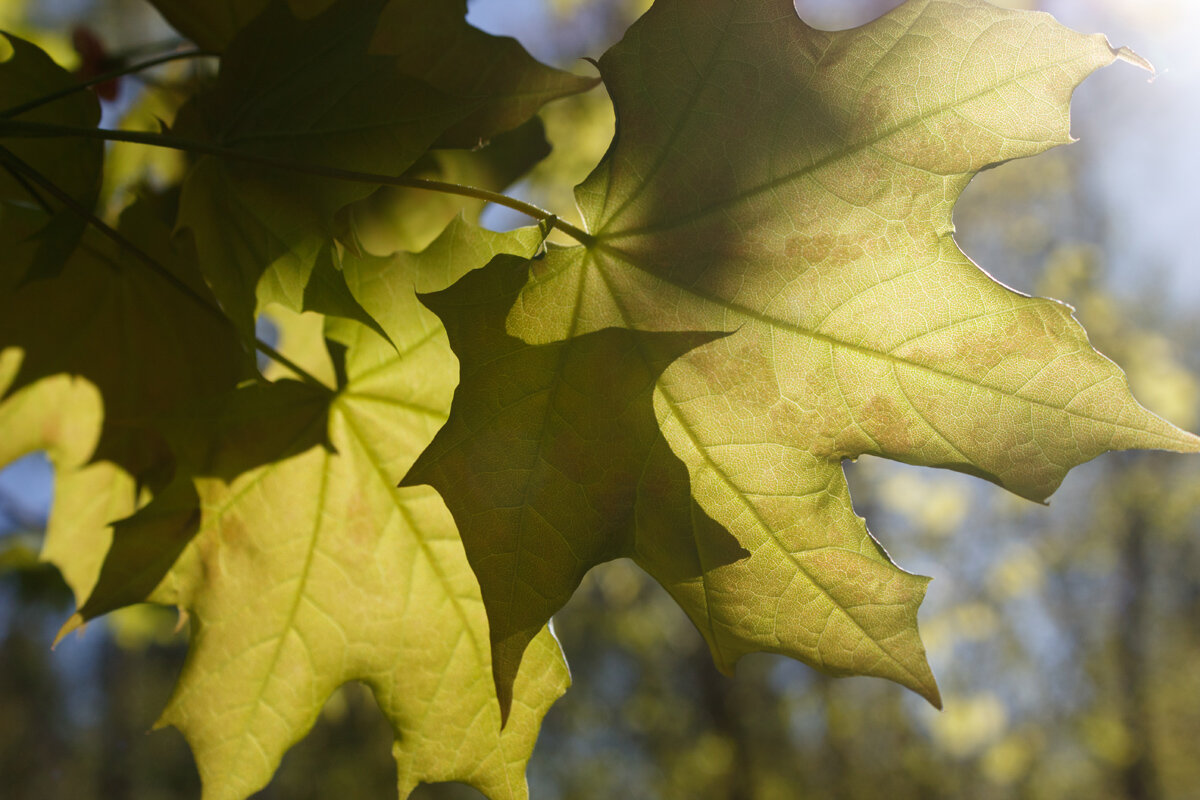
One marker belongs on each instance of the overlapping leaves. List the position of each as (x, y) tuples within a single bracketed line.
[(269, 510), (768, 286), (145, 344), (40, 238), (314, 570), (793, 189), (79, 302), (343, 91)]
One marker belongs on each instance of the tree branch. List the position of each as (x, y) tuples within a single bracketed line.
[(21, 128)]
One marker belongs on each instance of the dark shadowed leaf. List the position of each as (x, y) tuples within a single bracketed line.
[(38, 242), (145, 345), (552, 462), (308, 91), (503, 84), (398, 218), (212, 24)]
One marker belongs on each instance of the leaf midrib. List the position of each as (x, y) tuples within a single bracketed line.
[(364, 441), (832, 341), (290, 623), (754, 512)]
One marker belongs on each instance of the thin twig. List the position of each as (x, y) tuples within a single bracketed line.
[(29, 189), (37, 102), (21, 128), (17, 165)]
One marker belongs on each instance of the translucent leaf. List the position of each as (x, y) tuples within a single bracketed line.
[(314, 569), (793, 188), (323, 92)]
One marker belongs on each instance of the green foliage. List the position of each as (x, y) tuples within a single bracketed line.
[(145, 344), (459, 425), (585, 475), (367, 103), (38, 246), (314, 570)]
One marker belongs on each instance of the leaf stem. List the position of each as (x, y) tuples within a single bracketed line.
[(22, 128), (20, 167), (138, 50), (273, 354), (37, 102), (28, 187)]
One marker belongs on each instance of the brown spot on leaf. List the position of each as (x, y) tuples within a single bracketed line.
[(361, 526), (887, 423), (1033, 334), (208, 548), (824, 247), (233, 534)]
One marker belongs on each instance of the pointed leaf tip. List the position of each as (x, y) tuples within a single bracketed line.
[(588, 476), (858, 325), (1130, 57), (74, 623)]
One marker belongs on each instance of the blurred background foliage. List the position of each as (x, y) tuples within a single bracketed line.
[(1066, 639)]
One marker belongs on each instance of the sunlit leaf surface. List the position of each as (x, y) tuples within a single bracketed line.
[(315, 569), (793, 188)]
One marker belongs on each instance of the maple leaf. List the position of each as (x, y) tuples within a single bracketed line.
[(313, 569), (214, 24), (360, 106), (793, 188), (398, 218), (148, 347), (568, 470), (62, 416), (44, 236)]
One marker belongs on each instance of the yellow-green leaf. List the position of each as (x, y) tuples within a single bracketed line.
[(215, 438), (793, 188), (315, 569), (62, 416), (339, 90)]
